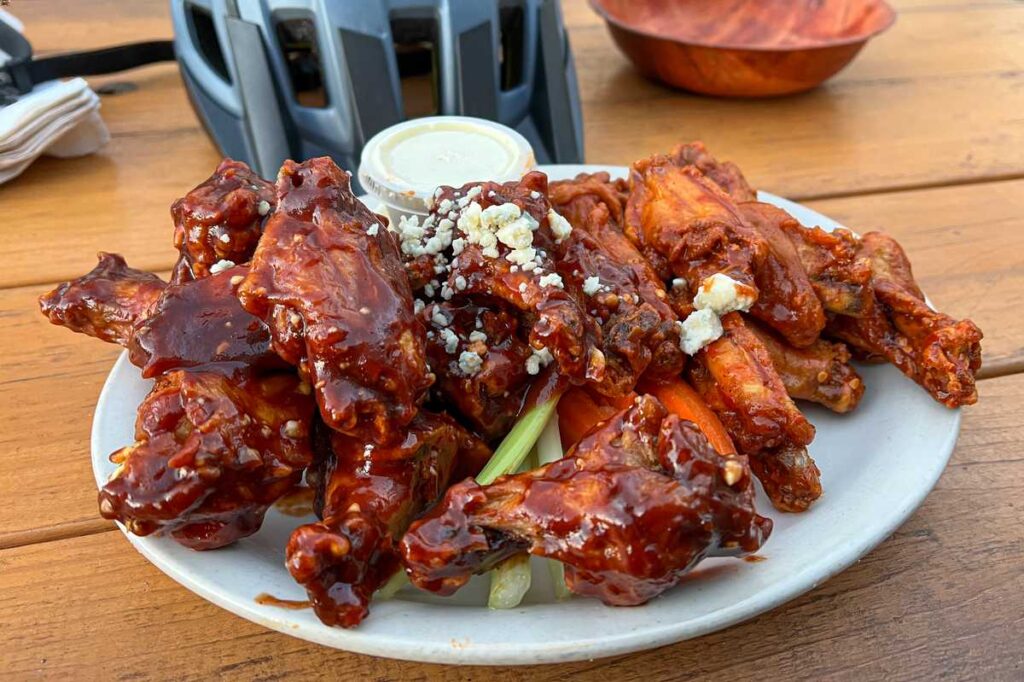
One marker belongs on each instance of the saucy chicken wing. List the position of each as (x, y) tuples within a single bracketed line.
[(938, 352), (491, 241), (367, 495), (105, 303), (639, 330), (838, 272), (201, 321), (220, 220), (629, 510), (575, 199), (328, 281), (788, 302), (480, 362), (214, 448)]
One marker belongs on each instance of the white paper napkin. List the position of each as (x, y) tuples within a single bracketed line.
[(57, 118)]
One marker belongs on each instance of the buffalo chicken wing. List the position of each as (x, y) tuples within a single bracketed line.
[(938, 352), (737, 379), (820, 373)]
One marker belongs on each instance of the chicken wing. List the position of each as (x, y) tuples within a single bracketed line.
[(214, 448), (491, 241), (820, 373), (105, 303), (480, 362), (575, 199), (639, 329), (220, 220), (788, 302), (940, 353), (367, 495), (328, 281), (201, 321), (632, 508), (837, 271), (686, 226), (737, 380), (725, 174)]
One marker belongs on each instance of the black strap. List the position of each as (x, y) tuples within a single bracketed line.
[(23, 72)]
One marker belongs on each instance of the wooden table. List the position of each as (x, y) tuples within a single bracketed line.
[(923, 136)]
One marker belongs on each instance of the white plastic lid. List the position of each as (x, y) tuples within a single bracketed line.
[(404, 164)]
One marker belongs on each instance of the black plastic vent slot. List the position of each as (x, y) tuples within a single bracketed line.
[(299, 46), (510, 56), (415, 41), (204, 35)]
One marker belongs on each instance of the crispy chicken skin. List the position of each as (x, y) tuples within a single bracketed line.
[(686, 226), (367, 495), (631, 508), (725, 174), (575, 199), (736, 378), (201, 321), (221, 219), (788, 302), (328, 281), (940, 353), (820, 373), (105, 303), (214, 448), (834, 265)]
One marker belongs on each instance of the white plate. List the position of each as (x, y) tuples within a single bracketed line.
[(877, 466)]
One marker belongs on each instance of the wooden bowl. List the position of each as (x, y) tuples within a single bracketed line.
[(743, 48)]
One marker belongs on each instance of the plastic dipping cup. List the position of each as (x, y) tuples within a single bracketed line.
[(403, 165)]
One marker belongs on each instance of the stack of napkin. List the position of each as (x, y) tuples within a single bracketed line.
[(57, 118)]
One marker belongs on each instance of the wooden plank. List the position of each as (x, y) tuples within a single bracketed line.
[(942, 597), (837, 140), (117, 200), (960, 258)]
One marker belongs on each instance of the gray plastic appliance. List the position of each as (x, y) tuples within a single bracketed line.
[(276, 79)]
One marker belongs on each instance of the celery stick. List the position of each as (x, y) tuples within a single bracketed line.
[(516, 446), (510, 581), (549, 449), (557, 570), (392, 586)]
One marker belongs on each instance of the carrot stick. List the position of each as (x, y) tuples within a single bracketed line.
[(682, 400), (578, 413)]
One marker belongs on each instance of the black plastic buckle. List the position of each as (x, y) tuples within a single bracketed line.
[(15, 74)]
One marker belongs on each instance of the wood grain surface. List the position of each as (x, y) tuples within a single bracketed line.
[(922, 136)]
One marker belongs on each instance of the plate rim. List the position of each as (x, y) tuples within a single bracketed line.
[(509, 653)]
